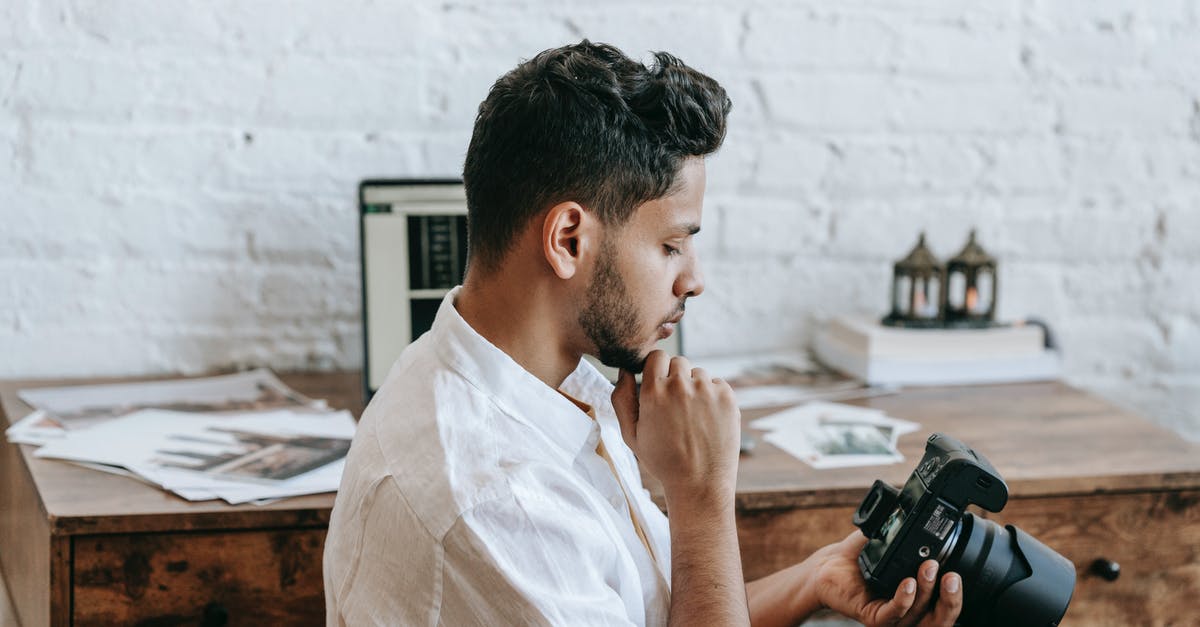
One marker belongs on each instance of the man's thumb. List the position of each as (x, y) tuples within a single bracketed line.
[(625, 403)]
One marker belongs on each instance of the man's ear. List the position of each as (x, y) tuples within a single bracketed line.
[(567, 234)]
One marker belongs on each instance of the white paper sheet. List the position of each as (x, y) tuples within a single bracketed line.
[(833, 435), (76, 407), (786, 378), (238, 457), (36, 429)]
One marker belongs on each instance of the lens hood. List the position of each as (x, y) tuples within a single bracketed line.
[(1009, 577)]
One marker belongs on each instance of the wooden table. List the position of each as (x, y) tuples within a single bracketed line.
[(83, 547), (1091, 481), (1087, 479)]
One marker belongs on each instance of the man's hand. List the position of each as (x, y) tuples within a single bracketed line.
[(839, 586), (684, 427)]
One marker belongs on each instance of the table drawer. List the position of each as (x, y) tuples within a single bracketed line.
[(234, 577), (773, 539), (1154, 536)]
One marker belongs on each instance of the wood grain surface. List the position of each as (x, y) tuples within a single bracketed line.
[(24, 540), (251, 577), (1088, 479), (771, 540), (1153, 536), (46, 504), (78, 500), (1043, 438)]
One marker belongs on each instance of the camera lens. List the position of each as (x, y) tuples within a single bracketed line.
[(1009, 578)]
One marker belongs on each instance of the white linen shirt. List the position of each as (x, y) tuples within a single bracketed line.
[(473, 495)]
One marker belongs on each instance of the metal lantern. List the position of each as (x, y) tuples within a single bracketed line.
[(970, 297), (918, 285)]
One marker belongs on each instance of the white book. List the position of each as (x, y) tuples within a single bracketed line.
[(871, 337), (1041, 366)]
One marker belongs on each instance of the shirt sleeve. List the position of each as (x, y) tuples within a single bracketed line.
[(533, 560)]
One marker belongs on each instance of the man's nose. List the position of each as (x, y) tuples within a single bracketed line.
[(691, 282)]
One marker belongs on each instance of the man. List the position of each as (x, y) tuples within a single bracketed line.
[(494, 478)]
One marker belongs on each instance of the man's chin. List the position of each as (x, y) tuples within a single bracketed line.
[(624, 359)]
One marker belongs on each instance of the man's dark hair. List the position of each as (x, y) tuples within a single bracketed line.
[(585, 123)]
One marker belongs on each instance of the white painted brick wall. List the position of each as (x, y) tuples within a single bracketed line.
[(177, 178)]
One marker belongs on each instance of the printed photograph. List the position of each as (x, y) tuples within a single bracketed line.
[(850, 439), (255, 456)]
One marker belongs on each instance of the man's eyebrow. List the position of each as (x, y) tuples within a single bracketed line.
[(687, 229)]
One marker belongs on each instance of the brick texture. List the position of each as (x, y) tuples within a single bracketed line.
[(177, 179)]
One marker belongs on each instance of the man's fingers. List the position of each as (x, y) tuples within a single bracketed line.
[(625, 404), (949, 603), (680, 367), (655, 368), (855, 541), (892, 611), (926, 582)]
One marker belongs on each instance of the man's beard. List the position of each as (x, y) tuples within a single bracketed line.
[(610, 318)]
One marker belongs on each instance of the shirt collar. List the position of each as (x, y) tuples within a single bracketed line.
[(510, 386)]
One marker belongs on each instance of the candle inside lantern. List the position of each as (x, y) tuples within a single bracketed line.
[(984, 302), (918, 288), (924, 306), (972, 285)]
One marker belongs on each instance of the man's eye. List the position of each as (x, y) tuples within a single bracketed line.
[(671, 250)]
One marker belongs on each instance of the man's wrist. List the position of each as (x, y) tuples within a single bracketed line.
[(808, 596), (787, 597), (806, 589), (717, 496)]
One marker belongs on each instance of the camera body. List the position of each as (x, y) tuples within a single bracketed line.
[(922, 521), (1009, 577)]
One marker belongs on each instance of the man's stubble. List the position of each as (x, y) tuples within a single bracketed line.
[(610, 317)]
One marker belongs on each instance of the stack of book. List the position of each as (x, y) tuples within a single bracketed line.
[(881, 355)]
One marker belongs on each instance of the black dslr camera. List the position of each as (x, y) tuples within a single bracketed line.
[(1009, 578)]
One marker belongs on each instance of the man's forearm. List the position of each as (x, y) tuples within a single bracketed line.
[(706, 567)]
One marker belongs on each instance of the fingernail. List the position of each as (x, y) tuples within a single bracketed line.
[(952, 584), (910, 586), (931, 572)]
